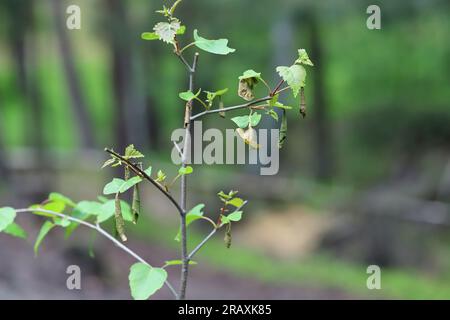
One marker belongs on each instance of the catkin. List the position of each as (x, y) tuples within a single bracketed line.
[(283, 129), (302, 102), (136, 205), (227, 238), (120, 224)]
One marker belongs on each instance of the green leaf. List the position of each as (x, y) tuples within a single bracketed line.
[(113, 187), (219, 46), (167, 30), (42, 214), (241, 121), (181, 31), (194, 214), (255, 118), (185, 170), (149, 36), (132, 153), (273, 114), (145, 280), (62, 222), (225, 197), (120, 185), (129, 184), (251, 74), (107, 210), (148, 171), (7, 216), (281, 106), (165, 11), (303, 58), (153, 36), (235, 216), (189, 95), (177, 262), (45, 229), (210, 96), (88, 207), (236, 202), (108, 162), (55, 206), (161, 176), (15, 230), (54, 196), (294, 75)]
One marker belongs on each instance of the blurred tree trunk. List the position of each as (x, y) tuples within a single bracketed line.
[(19, 22), (21, 18), (323, 131), (130, 117), (78, 101)]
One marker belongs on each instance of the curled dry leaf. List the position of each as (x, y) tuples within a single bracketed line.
[(245, 90), (249, 136)]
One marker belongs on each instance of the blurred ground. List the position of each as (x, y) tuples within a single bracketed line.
[(105, 277)]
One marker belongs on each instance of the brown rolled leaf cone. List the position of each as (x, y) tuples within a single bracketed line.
[(302, 102)]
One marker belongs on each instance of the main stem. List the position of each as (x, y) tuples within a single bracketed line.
[(184, 158)]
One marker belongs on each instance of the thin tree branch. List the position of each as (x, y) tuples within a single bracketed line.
[(186, 150), (101, 231), (240, 106), (183, 60), (202, 243), (274, 92), (187, 46), (141, 173)]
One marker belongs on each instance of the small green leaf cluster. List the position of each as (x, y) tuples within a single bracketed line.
[(167, 31), (294, 76)]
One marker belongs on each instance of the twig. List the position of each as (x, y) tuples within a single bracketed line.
[(240, 106), (141, 173), (183, 60), (274, 92), (203, 242), (101, 231), (187, 46)]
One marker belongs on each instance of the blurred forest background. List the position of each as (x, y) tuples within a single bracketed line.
[(364, 179)]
